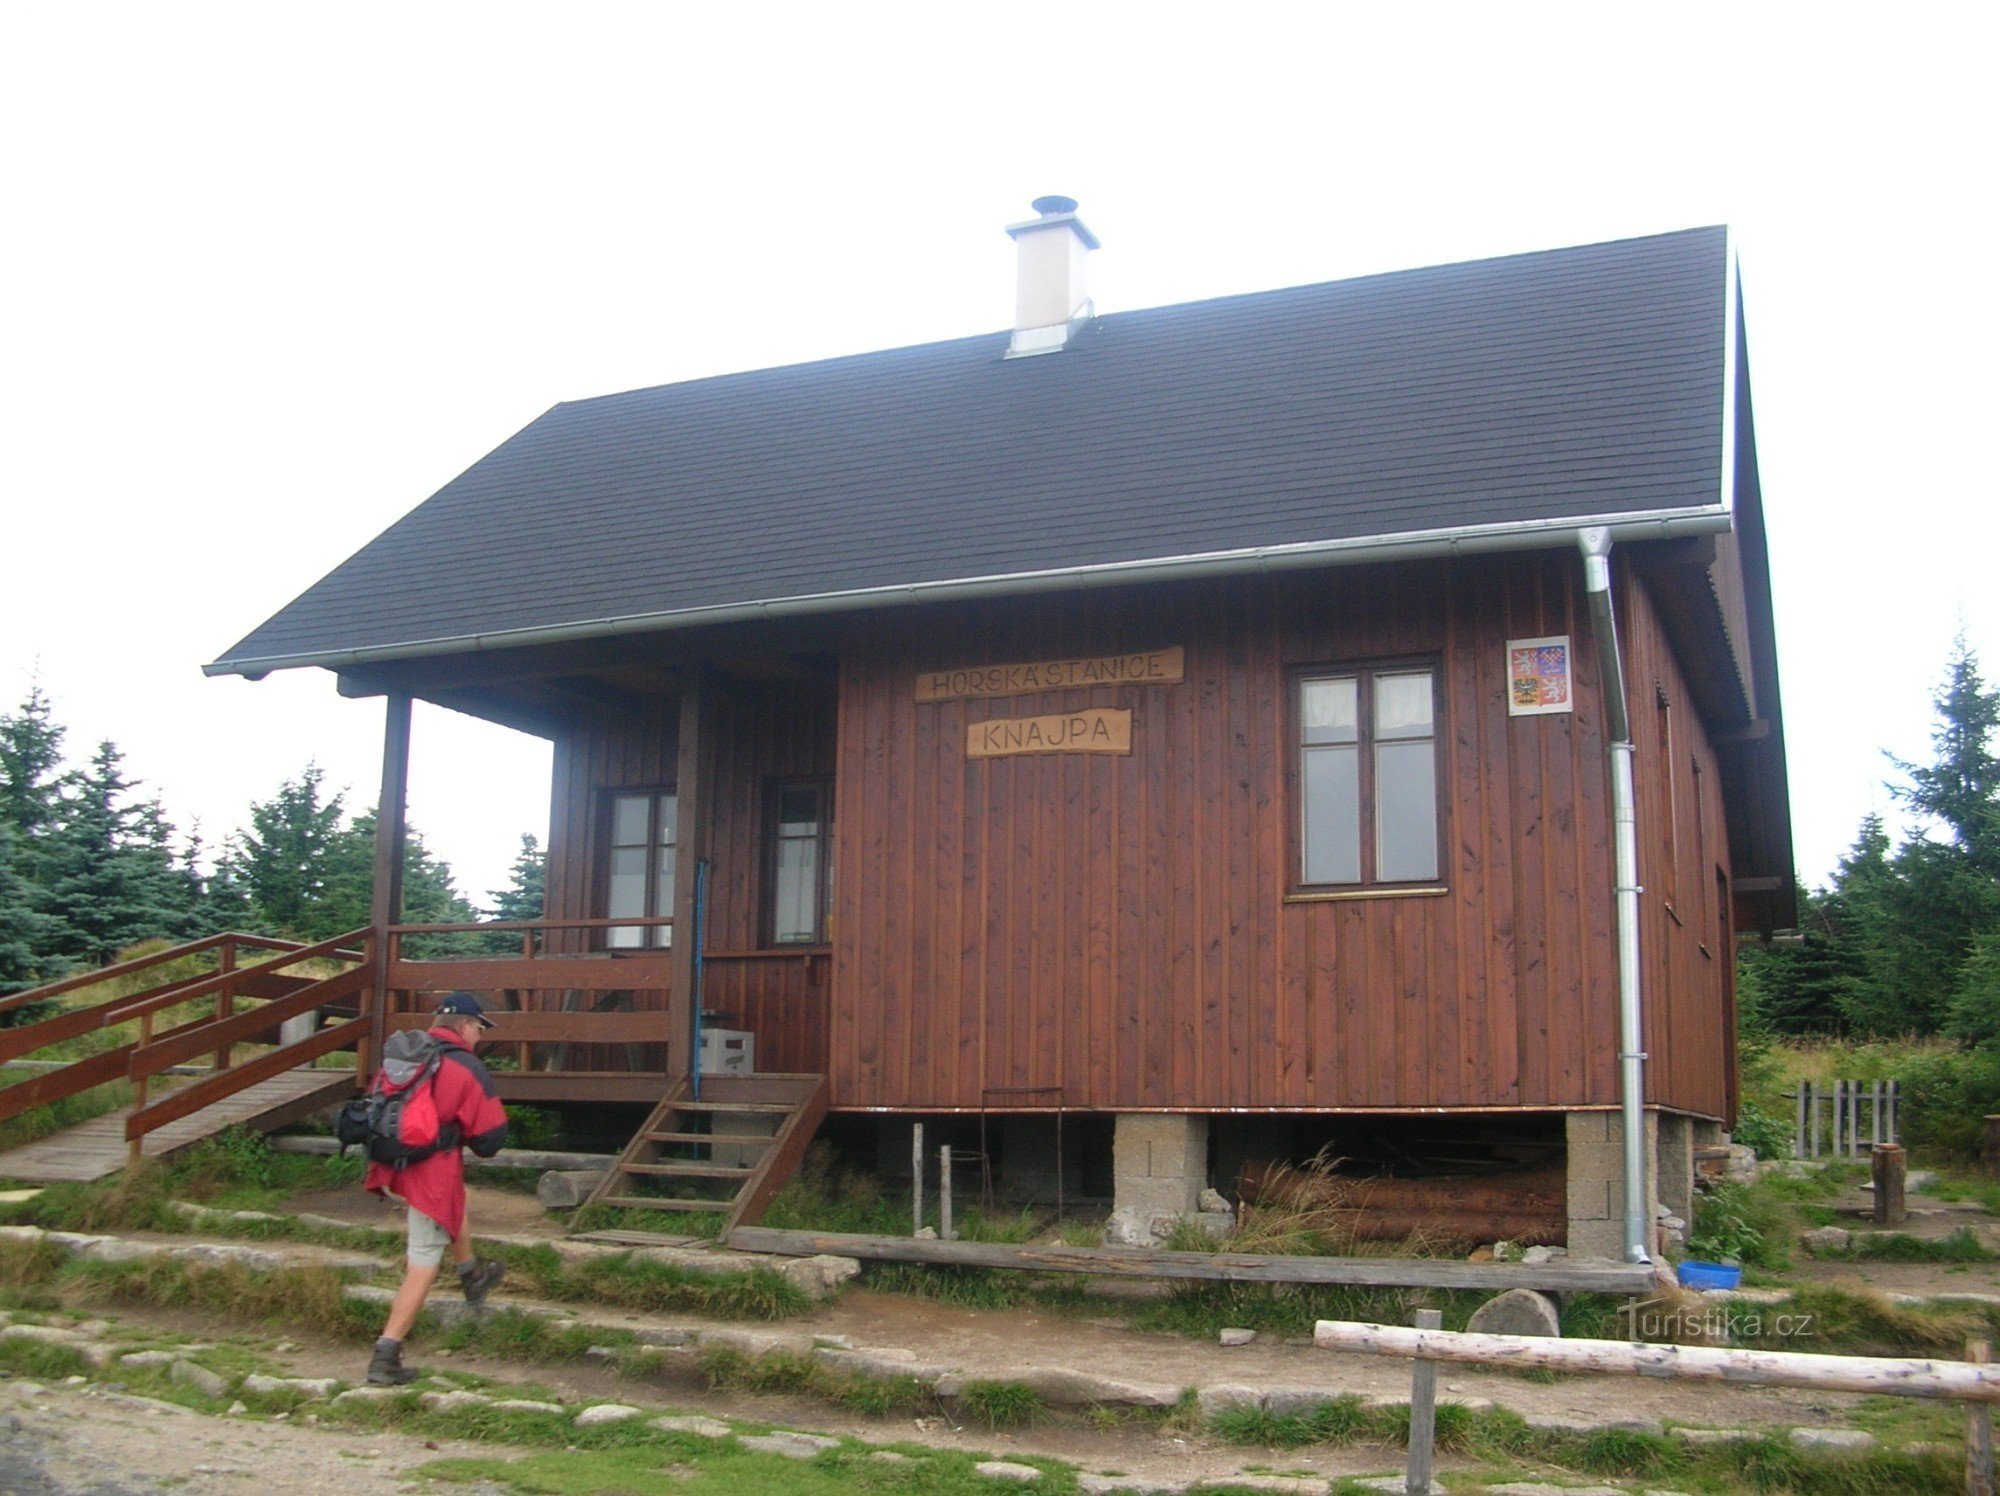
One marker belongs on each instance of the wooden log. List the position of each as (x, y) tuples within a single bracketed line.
[(1212, 1267), (1883, 1376), (1889, 1164), (1528, 1206)]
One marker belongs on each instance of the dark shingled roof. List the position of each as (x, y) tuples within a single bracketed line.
[(1577, 384)]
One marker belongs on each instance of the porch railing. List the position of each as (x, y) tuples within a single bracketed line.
[(547, 1004)]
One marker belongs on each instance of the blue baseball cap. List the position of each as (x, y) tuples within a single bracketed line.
[(462, 1005)]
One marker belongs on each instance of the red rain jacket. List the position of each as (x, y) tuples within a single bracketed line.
[(465, 1098)]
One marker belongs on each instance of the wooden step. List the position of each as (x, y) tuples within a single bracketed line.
[(659, 1202), (689, 1169), (740, 1108), (710, 1138)]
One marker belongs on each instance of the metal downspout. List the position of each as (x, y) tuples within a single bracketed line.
[(1596, 546)]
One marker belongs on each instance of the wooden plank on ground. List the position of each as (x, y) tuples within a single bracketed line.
[(1224, 1267)]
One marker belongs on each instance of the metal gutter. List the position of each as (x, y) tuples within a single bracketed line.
[(1657, 524), (1596, 546)]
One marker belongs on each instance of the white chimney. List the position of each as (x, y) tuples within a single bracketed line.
[(1050, 302)]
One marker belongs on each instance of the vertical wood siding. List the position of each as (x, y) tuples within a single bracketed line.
[(1115, 932)]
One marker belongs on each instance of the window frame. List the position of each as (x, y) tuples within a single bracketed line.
[(651, 937), (774, 793), (1364, 672)]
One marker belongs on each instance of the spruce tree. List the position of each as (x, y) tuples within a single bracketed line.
[(527, 882), (285, 860), (1961, 785), (108, 868)]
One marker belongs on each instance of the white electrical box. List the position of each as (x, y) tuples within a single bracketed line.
[(728, 1051)]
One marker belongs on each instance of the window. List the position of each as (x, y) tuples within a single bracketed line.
[(800, 876), (639, 880), (1368, 777)]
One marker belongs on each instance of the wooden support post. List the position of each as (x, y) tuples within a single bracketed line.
[(1978, 1430), (1423, 1414), (1875, 1113), (1799, 1129), (391, 831), (693, 774), (225, 1000), (140, 1088), (916, 1177), (1812, 1119), (1894, 1136), (945, 1232), (1889, 1163)]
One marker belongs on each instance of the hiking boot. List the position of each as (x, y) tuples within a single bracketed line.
[(478, 1278), (386, 1369)]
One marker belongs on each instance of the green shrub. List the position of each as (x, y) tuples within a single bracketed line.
[(1945, 1094)]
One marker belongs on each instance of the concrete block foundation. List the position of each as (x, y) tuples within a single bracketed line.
[(1159, 1167), (1596, 1142)]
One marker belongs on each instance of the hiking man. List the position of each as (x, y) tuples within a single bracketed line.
[(469, 1116)]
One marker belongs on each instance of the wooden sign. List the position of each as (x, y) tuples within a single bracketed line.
[(1097, 729), (1150, 667)]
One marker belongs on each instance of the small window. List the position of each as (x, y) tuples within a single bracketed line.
[(639, 878), (1368, 777), (801, 877)]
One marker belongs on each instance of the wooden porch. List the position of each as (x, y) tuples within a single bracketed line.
[(210, 1038)]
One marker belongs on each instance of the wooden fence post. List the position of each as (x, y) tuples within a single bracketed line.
[(1978, 1432), (225, 1000), (1889, 1165), (916, 1177), (139, 1089), (1423, 1414), (945, 1231), (1799, 1128)]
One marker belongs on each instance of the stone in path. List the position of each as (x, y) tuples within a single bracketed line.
[(204, 1381), (1839, 1440), (1007, 1470), (1237, 1337), (526, 1405), (694, 1423), (265, 1386), (604, 1413), (791, 1446)]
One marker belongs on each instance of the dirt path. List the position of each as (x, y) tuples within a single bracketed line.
[(94, 1441)]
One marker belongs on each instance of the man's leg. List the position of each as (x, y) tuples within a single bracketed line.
[(426, 1255), (475, 1277), (409, 1300)]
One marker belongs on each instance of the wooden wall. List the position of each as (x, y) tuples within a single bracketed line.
[(763, 731), (1117, 929), (1687, 943)]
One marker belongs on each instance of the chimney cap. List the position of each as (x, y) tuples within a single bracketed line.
[(1056, 211)]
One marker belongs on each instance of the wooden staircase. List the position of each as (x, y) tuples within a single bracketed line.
[(731, 1151)]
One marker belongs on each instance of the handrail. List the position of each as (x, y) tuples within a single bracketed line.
[(159, 958), (226, 1083), (139, 963), (184, 1044), (479, 928), (216, 981)]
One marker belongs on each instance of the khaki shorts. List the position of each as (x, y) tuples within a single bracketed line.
[(427, 1240)]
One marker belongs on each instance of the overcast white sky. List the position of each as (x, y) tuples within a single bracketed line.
[(275, 273)]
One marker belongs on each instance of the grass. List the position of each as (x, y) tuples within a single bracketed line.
[(1896, 1246), (788, 1372)]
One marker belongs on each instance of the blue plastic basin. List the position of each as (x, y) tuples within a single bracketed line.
[(1709, 1275)]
